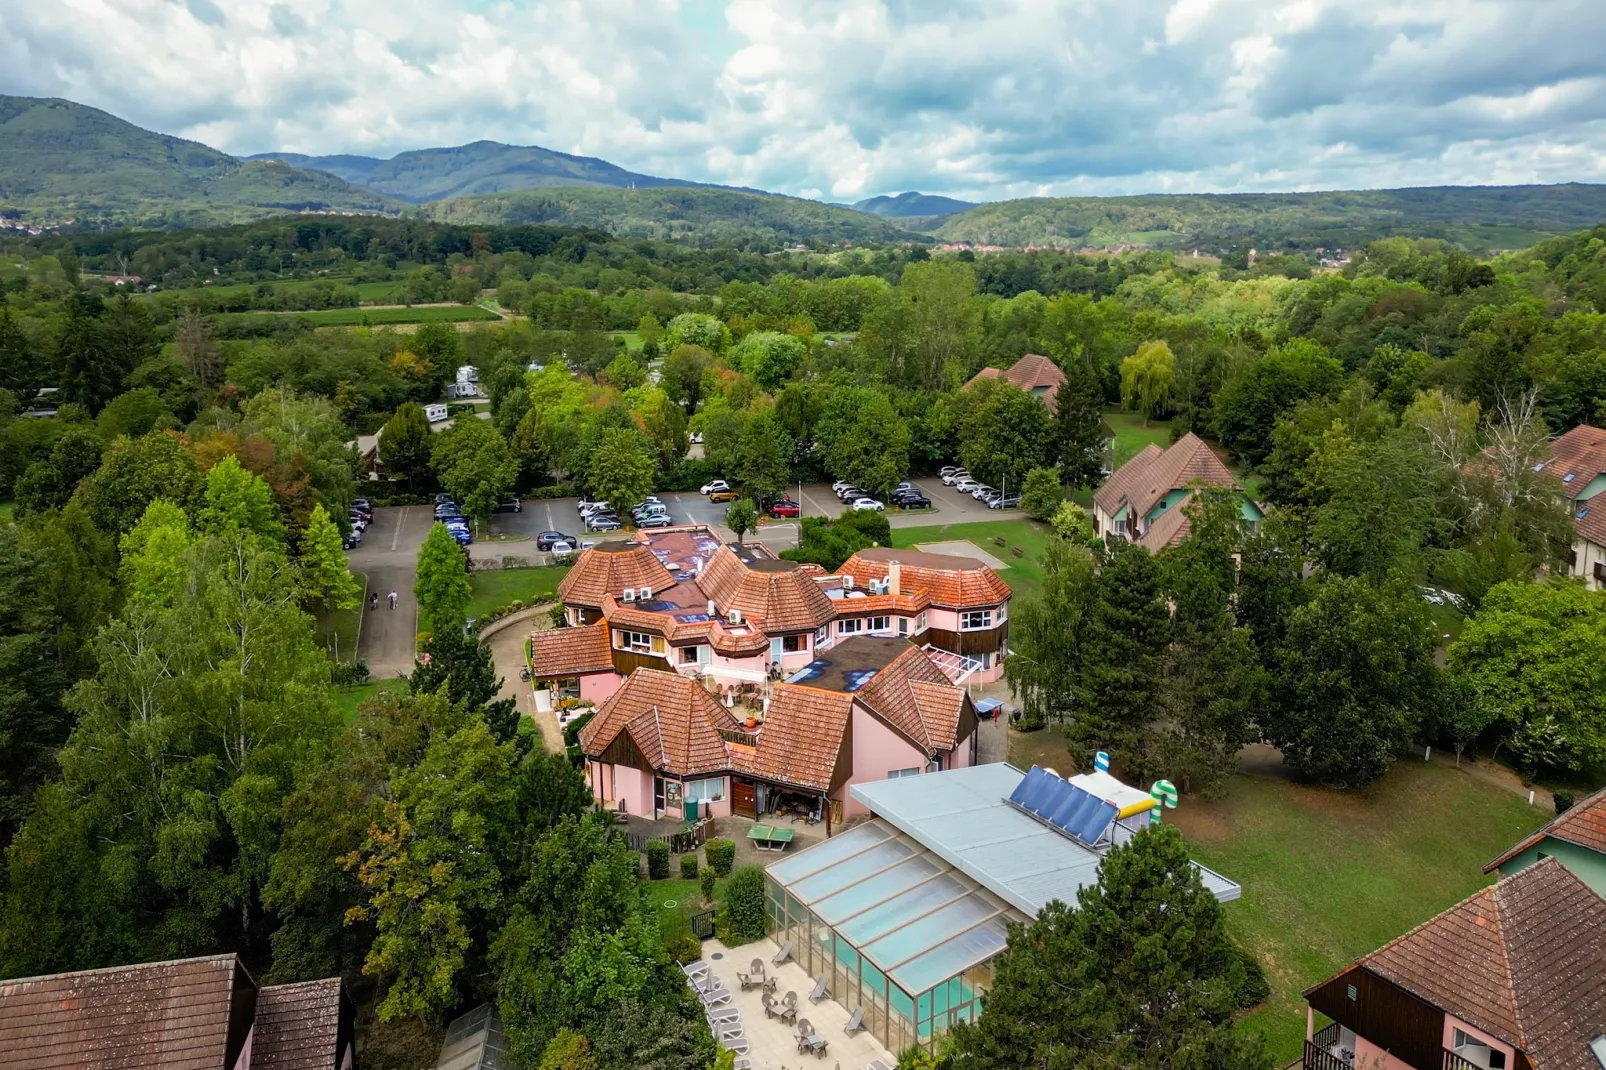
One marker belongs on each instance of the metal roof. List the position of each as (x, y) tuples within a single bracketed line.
[(962, 817)]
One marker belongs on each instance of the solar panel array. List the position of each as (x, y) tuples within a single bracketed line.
[(1063, 806)]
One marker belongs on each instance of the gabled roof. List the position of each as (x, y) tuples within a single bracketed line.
[(570, 651), (778, 593), (914, 696), (1154, 473), (174, 1015), (1030, 373), (609, 568), (801, 738), (1169, 528), (1524, 959), (670, 718), (297, 1026), (951, 582), (1584, 825), (1580, 453)]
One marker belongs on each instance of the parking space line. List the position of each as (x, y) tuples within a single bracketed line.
[(401, 521)]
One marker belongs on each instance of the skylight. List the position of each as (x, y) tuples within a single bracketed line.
[(1568, 478), (1598, 1046)]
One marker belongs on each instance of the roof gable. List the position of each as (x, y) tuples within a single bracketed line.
[(1581, 454), (913, 696), (801, 739), (779, 594), (1583, 825), (298, 1026), (609, 569), (671, 719), (571, 651), (1148, 477), (952, 582)]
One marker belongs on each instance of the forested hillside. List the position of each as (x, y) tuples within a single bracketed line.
[(913, 205), (1478, 217), (61, 161)]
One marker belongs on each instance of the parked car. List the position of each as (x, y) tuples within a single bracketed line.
[(964, 485), (443, 508), (903, 486), (512, 505), (357, 522), (593, 508), (655, 520), (716, 485), (695, 438), (602, 522), (352, 540), (849, 492), (1004, 501), (786, 507), (363, 510), (460, 532), (839, 486), (981, 491), (562, 549), (441, 499), (913, 501), (549, 539), (948, 470), (726, 495), (956, 477), (586, 503), (867, 505)]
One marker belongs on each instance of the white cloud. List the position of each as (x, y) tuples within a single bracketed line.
[(847, 98)]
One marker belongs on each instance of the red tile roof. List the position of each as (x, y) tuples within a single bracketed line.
[(671, 719), (914, 696), (298, 1027), (1154, 473), (173, 1015), (778, 593), (1584, 825), (801, 738), (608, 569), (1580, 453), (951, 582), (1524, 959), (1030, 373), (1169, 528), (570, 651)]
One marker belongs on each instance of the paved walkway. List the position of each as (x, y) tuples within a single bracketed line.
[(507, 651), (388, 554)]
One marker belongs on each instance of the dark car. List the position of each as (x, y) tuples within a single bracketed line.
[(363, 509), (442, 499), (913, 501), (786, 507), (353, 540), (548, 539), (512, 505)]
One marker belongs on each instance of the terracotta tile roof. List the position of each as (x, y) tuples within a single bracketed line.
[(1524, 959), (608, 569), (952, 582), (570, 651), (1169, 528), (779, 594), (914, 696), (861, 604), (671, 719), (297, 1027), (801, 737), (1030, 373), (1584, 825), (1154, 473), (173, 1015), (1580, 453), (1592, 524)]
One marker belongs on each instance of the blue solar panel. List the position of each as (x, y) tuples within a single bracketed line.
[(692, 618), (1063, 806)]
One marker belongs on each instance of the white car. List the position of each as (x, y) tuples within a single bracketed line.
[(695, 438), (867, 505), (840, 485), (956, 477), (981, 491), (716, 485), (964, 485), (586, 503), (590, 509), (948, 470)]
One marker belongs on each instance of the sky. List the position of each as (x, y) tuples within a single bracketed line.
[(845, 99)]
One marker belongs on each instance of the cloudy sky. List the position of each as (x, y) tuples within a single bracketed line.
[(843, 99)]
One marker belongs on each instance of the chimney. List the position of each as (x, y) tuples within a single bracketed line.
[(894, 577)]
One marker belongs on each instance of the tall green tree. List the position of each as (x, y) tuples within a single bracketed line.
[(32, 719), (864, 439), (128, 334), (1127, 631), (134, 473), (234, 500), (325, 577), (763, 462), (473, 463), (88, 375), (442, 586), (621, 469), (49, 483), (768, 357), (463, 669), (1079, 426), (404, 443), (1146, 380), (22, 368), (1046, 635), (1005, 434)]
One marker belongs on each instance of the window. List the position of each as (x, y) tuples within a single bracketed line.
[(1003, 613), (1120, 528), (975, 620), (920, 624), (640, 642), (851, 626), (821, 636), (877, 624), (711, 790), (896, 774), (688, 655), (903, 625), (792, 644), (1477, 1052)]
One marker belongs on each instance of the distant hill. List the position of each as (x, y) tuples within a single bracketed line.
[(673, 214), (1480, 217), (911, 205), (478, 168), (60, 160)]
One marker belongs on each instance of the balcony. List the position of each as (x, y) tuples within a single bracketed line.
[(1323, 1052)]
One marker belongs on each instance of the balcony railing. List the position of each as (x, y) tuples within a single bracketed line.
[(1322, 1059), (1327, 1036), (1452, 1061)]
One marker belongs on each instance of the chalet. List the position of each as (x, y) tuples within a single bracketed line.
[(868, 710), (1033, 373), (1576, 839), (1511, 978), (1578, 459), (185, 1014), (1144, 499)]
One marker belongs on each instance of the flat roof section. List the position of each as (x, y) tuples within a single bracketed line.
[(962, 816), (850, 664)]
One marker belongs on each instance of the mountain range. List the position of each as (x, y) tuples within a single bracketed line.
[(63, 163)]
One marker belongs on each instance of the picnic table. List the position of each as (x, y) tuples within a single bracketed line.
[(770, 837)]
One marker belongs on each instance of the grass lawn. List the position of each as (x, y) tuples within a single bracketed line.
[(631, 339), (1131, 436), (347, 699), (1024, 574), (1328, 876), (337, 632), (495, 588)]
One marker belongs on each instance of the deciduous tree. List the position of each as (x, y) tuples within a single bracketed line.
[(1146, 380), (442, 586)]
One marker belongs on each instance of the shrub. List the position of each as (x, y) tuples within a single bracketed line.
[(1564, 800), (743, 913), (657, 860), (349, 675), (571, 731), (1252, 987), (561, 490), (568, 1050), (721, 856), (706, 878), (558, 619), (688, 866), (680, 944), (1041, 494)]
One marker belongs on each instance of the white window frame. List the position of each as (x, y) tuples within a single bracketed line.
[(822, 635), (903, 626), (967, 624), (898, 774), (850, 626), (694, 651), (636, 642), (874, 625), (920, 624), (699, 791)]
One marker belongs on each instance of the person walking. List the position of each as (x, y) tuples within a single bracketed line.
[(373, 600), (393, 600)]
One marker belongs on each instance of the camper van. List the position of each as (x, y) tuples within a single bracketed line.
[(435, 413)]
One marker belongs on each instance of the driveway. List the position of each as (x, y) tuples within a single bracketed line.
[(388, 554)]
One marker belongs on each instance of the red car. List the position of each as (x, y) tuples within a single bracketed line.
[(786, 507)]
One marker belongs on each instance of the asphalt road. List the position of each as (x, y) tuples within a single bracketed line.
[(388, 554)]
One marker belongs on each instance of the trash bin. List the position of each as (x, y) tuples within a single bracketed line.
[(691, 810)]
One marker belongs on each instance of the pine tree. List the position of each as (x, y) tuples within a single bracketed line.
[(324, 575), (1079, 427), (130, 336), (442, 586), (1126, 634), (20, 370), (87, 375), (464, 669)]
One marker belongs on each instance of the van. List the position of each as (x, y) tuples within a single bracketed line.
[(435, 413)]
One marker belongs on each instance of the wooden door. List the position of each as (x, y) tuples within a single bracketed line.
[(744, 799)]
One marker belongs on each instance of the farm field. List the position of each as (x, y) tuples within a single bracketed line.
[(374, 317), (1024, 574)]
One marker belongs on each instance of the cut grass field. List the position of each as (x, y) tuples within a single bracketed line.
[(347, 699), (373, 317), (1131, 435), (337, 632), (495, 588), (1024, 574)]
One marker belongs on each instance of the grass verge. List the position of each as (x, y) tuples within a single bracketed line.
[(338, 632), (347, 699), (495, 588)]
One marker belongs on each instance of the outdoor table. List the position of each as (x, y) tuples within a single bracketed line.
[(770, 837)]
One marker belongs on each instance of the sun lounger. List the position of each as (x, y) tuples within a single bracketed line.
[(856, 1023), (717, 997), (723, 1016), (742, 1064), (694, 969), (783, 954), (877, 1064), (739, 1046), (821, 989)]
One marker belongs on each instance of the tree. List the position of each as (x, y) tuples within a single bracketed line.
[(865, 440), (193, 339), (1379, 512), (768, 357), (623, 373), (325, 577), (664, 423), (473, 463), (1248, 406), (1041, 494), (404, 443), (77, 563), (741, 517), (762, 466), (1146, 380), (1534, 657), (22, 371), (682, 375), (459, 666), (442, 586), (155, 556), (88, 375), (621, 468), (1046, 635), (1005, 434), (48, 484), (1127, 630), (697, 329), (134, 473), (942, 320), (32, 719), (235, 500), (1071, 523), (1352, 680), (1141, 974), (1079, 432)]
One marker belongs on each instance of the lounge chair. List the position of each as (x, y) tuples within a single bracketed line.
[(821, 989), (739, 1046), (877, 1064), (694, 969), (783, 954), (716, 998), (728, 1033), (742, 1064), (856, 1023), (723, 1016)]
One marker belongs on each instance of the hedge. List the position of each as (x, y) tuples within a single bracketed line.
[(688, 866), (657, 860), (721, 856), (744, 919)]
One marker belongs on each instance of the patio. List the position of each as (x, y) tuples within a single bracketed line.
[(773, 1043)]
